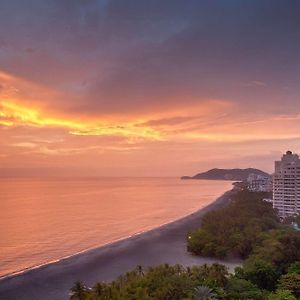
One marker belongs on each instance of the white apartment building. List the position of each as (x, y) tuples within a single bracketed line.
[(259, 183), (286, 185)]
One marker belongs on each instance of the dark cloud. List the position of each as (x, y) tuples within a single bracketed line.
[(132, 55)]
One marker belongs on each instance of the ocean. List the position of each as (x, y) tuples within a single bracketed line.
[(43, 220)]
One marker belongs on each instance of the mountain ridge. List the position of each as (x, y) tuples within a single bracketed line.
[(235, 174)]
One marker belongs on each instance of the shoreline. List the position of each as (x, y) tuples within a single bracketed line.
[(162, 244), (95, 248)]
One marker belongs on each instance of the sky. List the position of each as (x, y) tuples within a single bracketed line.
[(147, 87)]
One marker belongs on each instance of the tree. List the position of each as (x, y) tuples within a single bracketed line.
[(281, 295), (217, 275), (235, 229), (294, 268), (261, 273), (203, 293), (291, 282), (242, 289), (100, 291), (78, 291), (141, 294)]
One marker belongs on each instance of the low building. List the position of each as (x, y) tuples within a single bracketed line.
[(259, 183)]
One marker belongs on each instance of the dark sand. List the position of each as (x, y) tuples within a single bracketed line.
[(165, 244)]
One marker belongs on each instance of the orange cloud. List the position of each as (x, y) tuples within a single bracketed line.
[(210, 120), (12, 114)]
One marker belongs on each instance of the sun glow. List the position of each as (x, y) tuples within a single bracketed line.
[(15, 114)]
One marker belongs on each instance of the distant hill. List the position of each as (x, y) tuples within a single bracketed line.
[(227, 174)]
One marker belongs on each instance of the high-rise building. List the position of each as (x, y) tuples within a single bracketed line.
[(286, 185)]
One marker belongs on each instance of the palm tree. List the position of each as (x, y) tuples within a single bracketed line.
[(78, 291), (98, 290), (203, 293), (140, 270)]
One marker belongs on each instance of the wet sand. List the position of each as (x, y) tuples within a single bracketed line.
[(165, 244)]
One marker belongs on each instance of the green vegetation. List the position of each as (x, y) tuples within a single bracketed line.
[(161, 282), (236, 229), (248, 228), (199, 282)]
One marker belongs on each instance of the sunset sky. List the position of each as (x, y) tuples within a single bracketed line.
[(147, 87)]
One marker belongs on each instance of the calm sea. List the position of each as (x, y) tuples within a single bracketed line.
[(43, 220)]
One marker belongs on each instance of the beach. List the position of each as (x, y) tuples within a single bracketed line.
[(165, 244)]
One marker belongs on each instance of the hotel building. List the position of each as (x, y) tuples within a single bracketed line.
[(286, 185)]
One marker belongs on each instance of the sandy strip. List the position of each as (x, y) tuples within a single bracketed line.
[(165, 244)]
